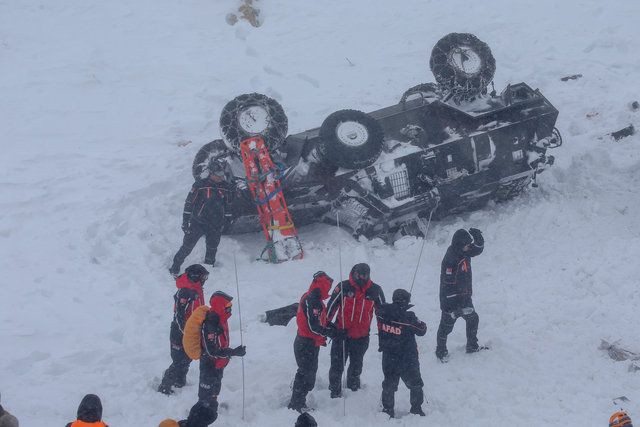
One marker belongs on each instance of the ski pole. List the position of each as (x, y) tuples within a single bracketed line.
[(424, 239), (235, 267), (344, 339)]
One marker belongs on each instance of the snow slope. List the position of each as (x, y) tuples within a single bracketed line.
[(99, 101)]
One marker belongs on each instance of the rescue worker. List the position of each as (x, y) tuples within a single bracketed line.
[(6, 419), (620, 419), (89, 413), (188, 297), (352, 304), (313, 329), (397, 329), (456, 289), (215, 355), (206, 210)]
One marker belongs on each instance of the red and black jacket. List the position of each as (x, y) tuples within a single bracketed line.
[(188, 297), (215, 332), (455, 274), (311, 316), (359, 305), (208, 202)]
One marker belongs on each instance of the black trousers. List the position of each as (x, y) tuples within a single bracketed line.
[(401, 366), (210, 381), (191, 237), (446, 326), (176, 374), (355, 350), (306, 353)]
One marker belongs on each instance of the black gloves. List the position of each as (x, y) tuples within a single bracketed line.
[(240, 350), (478, 239), (186, 226), (475, 233)]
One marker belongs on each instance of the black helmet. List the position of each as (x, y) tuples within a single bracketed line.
[(197, 273), (361, 273), (402, 297)]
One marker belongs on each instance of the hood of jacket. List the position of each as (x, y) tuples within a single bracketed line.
[(322, 284), (183, 282), (460, 239), (90, 409), (218, 304)]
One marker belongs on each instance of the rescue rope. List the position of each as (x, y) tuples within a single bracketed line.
[(424, 239), (344, 339), (235, 267)]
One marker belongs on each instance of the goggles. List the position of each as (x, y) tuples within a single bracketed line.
[(227, 307)]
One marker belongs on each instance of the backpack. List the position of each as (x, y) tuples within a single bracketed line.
[(191, 339)]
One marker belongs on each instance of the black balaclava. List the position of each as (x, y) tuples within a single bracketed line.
[(360, 274), (402, 298)]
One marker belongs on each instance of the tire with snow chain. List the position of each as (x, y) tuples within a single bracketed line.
[(253, 114), (463, 64), (350, 139), (212, 150)]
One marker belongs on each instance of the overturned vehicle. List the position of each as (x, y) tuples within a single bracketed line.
[(446, 147)]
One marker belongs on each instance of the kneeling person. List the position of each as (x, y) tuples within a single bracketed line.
[(397, 328)]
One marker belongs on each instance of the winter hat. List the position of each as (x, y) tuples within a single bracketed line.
[(306, 420), (401, 297), (169, 423), (90, 409), (620, 419), (197, 273), (461, 238)]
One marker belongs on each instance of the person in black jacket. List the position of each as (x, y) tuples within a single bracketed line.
[(397, 330), (456, 289), (206, 210)]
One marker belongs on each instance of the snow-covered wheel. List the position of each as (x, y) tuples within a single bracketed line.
[(350, 139), (253, 114), (212, 150), (462, 63)]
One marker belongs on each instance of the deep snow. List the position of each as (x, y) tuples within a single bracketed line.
[(99, 101)]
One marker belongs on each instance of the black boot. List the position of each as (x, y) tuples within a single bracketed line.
[(442, 354), (165, 389), (353, 383), (389, 411), (417, 410)]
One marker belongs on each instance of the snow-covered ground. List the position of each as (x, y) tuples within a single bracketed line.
[(98, 101)]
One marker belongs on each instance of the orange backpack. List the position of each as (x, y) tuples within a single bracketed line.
[(191, 337)]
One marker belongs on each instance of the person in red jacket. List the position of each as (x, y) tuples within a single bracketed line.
[(188, 297), (215, 355), (313, 329), (352, 303)]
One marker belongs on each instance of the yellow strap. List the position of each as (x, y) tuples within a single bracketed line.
[(280, 227)]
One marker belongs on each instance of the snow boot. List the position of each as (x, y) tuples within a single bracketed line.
[(174, 270), (442, 354), (353, 383), (336, 394), (417, 410), (165, 389), (389, 411), (476, 348)]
